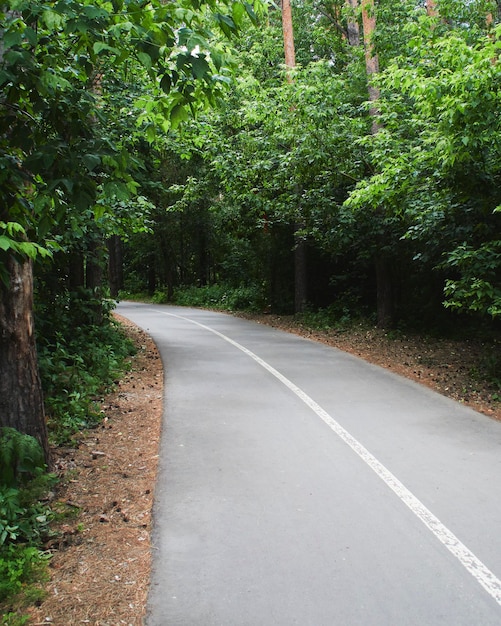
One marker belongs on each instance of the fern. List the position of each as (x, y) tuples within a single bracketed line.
[(21, 457)]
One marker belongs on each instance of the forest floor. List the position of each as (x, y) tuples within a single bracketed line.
[(101, 560)]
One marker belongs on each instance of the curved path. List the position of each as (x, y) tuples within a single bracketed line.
[(300, 485)]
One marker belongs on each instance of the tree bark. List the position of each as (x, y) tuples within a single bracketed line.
[(21, 398), (300, 271), (94, 281), (289, 48), (353, 29), (76, 270), (152, 275), (115, 265), (384, 285), (371, 60)]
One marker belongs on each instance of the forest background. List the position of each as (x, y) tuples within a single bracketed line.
[(168, 150)]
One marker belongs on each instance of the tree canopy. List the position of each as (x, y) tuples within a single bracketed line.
[(160, 145)]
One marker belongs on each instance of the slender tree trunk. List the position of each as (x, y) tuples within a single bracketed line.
[(76, 271), (371, 59), (94, 280), (152, 274), (21, 398), (115, 265), (431, 8), (300, 269), (353, 29), (289, 48), (384, 285)]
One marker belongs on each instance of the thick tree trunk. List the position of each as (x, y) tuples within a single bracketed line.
[(21, 398)]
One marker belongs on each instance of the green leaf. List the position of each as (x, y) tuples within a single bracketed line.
[(250, 12), (100, 46), (238, 11), (94, 12), (99, 210), (200, 67), (91, 161), (178, 115), (5, 242), (165, 83), (11, 38), (145, 59)]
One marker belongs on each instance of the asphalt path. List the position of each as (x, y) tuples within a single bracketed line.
[(301, 485)]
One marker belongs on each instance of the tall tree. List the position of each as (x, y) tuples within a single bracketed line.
[(300, 271), (58, 162)]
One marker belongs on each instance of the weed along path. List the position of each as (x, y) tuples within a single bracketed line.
[(300, 485)]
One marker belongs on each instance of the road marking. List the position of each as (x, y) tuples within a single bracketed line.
[(487, 579)]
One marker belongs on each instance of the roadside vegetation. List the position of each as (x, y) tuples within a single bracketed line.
[(78, 364), (165, 150)]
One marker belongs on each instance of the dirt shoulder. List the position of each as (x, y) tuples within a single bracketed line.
[(100, 568), (453, 368), (100, 564)]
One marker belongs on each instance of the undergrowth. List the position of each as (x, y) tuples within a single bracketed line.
[(77, 365), (24, 524), (220, 296), (82, 351)]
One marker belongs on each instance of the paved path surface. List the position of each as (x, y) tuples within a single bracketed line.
[(300, 485)]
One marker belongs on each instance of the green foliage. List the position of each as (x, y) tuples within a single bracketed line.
[(22, 569), (221, 297), (479, 288), (342, 314), (21, 457), (76, 367), (24, 520), (14, 619)]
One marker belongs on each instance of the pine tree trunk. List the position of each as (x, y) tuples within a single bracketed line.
[(289, 48), (21, 398)]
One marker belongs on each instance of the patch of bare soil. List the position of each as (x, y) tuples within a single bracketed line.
[(101, 560), (100, 568)]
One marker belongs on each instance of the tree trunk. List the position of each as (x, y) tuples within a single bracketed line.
[(300, 274), (431, 8), (384, 282), (353, 29), (94, 281), (289, 48), (76, 271), (152, 275), (21, 398), (115, 265), (371, 59)]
